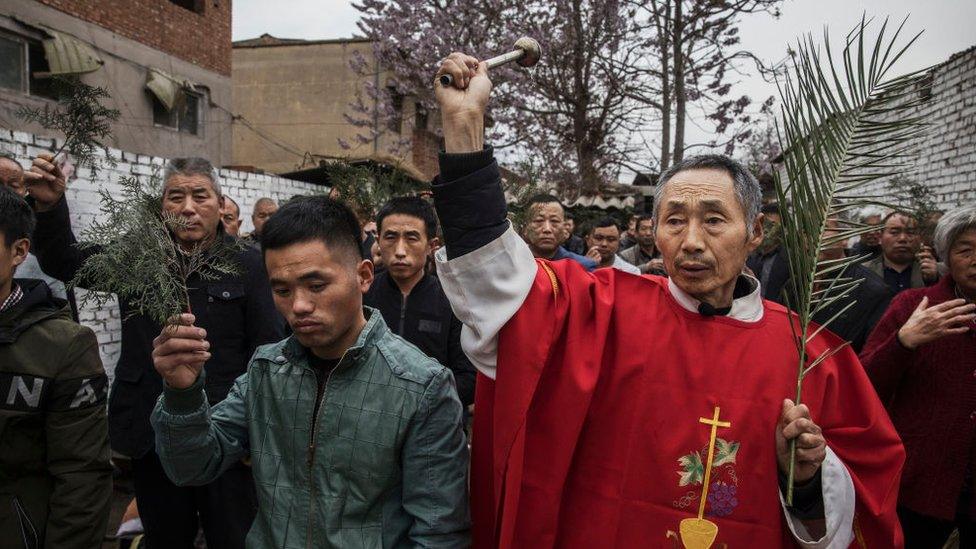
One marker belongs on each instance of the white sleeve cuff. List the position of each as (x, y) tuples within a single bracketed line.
[(839, 502), (486, 287)]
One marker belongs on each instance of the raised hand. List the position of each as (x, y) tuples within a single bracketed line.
[(594, 254), (928, 265), (45, 182), (811, 447), (930, 323), (463, 103), (180, 351)]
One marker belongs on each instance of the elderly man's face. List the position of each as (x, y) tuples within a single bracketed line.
[(703, 234), (872, 238), (193, 198), (12, 176), (231, 217), (899, 239), (544, 229), (962, 262), (645, 233), (262, 213)]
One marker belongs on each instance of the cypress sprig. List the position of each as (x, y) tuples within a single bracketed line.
[(137, 258), (80, 116)]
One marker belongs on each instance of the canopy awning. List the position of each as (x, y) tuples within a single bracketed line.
[(66, 54), (170, 91)]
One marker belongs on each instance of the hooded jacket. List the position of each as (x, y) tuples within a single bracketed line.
[(55, 476)]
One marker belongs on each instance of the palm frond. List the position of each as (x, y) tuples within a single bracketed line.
[(845, 123)]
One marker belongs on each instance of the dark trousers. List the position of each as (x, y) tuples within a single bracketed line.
[(924, 532), (226, 507)]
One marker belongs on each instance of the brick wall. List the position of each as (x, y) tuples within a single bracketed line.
[(946, 154), (83, 202), (424, 150), (200, 38)]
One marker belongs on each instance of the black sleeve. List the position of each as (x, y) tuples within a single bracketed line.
[(470, 201), (263, 324), (880, 300), (55, 245), (808, 501), (464, 372)]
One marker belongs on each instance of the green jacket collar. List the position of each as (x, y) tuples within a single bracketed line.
[(290, 350)]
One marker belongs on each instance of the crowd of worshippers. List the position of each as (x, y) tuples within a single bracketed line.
[(324, 395)]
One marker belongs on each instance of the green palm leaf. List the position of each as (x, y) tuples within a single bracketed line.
[(844, 125)]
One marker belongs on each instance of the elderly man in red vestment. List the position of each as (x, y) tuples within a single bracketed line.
[(615, 410)]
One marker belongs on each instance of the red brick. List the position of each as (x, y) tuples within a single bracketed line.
[(202, 39)]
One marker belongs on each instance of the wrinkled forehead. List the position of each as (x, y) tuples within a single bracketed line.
[(688, 188), (265, 207), (188, 183), (548, 209), (899, 221)]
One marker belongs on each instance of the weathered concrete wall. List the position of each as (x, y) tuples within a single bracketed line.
[(297, 94), (83, 202), (123, 75)]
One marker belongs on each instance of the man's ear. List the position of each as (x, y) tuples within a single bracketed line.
[(364, 273), (221, 202), (433, 244), (20, 250), (758, 232)]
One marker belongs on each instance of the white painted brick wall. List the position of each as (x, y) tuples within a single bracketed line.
[(946, 155), (84, 204)]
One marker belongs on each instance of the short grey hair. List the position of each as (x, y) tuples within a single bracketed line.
[(192, 165), (870, 211), (950, 227), (747, 188), (264, 200)]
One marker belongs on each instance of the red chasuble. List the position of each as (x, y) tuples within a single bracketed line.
[(599, 426)]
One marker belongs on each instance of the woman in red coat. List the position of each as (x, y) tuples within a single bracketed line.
[(921, 358)]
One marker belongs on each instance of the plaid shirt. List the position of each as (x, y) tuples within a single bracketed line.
[(16, 294)]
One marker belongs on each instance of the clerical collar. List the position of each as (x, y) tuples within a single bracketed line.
[(746, 306)]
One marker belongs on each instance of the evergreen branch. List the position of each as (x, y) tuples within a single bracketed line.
[(137, 258), (80, 116)]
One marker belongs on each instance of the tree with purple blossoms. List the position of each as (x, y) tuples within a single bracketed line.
[(694, 53), (612, 73), (573, 112)]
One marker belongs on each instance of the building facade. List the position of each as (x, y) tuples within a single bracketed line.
[(294, 96), (165, 63)]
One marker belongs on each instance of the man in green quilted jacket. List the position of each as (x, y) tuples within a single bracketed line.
[(353, 434), (55, 474)]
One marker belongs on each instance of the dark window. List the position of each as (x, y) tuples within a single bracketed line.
[(24, 67), (41, 82), (396, 101), (13, 68), (420, 117), (184, 118), (196, 6)]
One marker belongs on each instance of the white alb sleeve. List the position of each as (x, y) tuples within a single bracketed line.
[(486, 287), (839, 502)]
